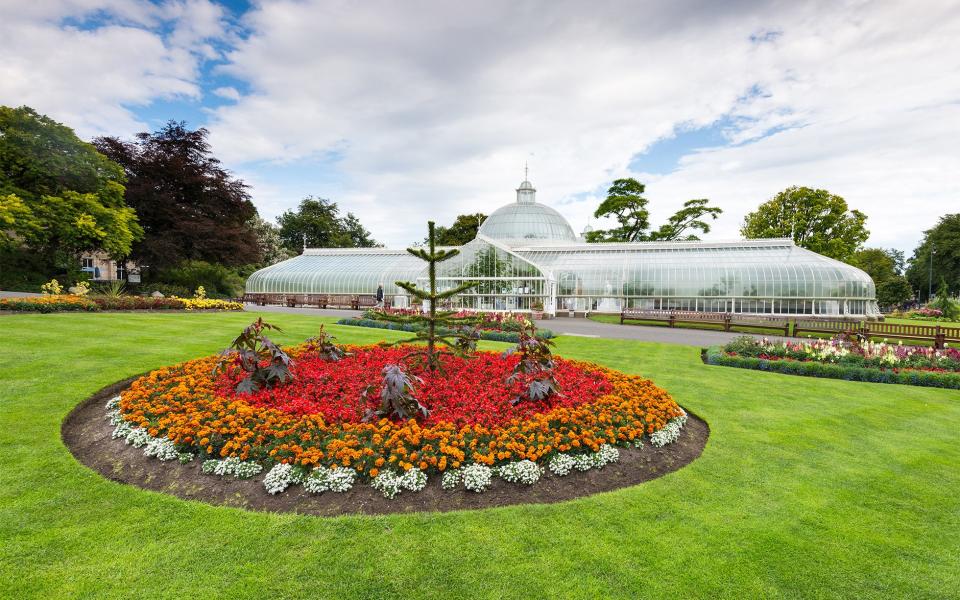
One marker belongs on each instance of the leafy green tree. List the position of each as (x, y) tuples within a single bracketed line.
[(319, 220), (688, 217), (357, 234), (894, 292), (944, 238), (815, 219), (463, 230), (885, 268), (190, 207), (17, 222), (269, 241), (58, 195), (627, 206)]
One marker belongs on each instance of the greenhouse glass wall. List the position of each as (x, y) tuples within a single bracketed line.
[(526, 257)]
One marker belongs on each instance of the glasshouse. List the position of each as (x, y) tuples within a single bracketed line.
[(527, 257)]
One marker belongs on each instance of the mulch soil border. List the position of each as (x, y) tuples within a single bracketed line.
[(86, 433)]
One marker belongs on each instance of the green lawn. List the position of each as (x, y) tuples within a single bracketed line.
[(807, 488), (615, 319), (919, 322)]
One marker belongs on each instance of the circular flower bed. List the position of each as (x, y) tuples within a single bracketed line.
[(311, 430)]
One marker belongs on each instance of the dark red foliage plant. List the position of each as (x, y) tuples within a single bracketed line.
[(259, 362)]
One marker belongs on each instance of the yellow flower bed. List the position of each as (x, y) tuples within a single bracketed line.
[(209, 304)]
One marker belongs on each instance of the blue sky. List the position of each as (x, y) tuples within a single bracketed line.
[(403, 112)]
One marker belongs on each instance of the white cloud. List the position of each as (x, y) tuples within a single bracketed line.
[(230, 93), (90, 63), (415, 110), (433, 108)]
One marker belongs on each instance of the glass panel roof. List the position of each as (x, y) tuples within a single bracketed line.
[(749, 268), (337, 271), (527, 220)]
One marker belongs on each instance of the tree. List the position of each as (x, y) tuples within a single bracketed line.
[(269, 242), (815, 219), (885, 268), (17, 222), (319, 220), (357, 234), (947, 306), (428, 326), (189, 206), (58, 195), (463, 230), (688, 217), (944, 237), (626, 204)]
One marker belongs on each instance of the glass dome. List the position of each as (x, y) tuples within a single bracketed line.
[(526, 219)]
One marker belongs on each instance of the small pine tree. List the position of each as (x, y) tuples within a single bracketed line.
[(949, 308), (435, 319)]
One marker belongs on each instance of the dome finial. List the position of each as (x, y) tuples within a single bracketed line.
[(526, 192)]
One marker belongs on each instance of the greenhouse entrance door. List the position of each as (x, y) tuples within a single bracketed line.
[(505, 281)]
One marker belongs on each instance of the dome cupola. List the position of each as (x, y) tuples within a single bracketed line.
[(527, 219), (526, 193)]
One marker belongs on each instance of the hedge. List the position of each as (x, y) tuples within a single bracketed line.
[(492, 336), (715, 355), (50, 303)]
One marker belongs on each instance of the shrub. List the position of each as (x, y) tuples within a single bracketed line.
[(80, 288), (52, 288), (217, 280), (112, 289), (167, 289)]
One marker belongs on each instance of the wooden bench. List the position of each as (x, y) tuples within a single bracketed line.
[(759, 322), (940, 336), (672, 317), (366, 302), (634, 314)]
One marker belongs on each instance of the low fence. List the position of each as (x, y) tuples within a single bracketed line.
[(353, 301), (937, 334)]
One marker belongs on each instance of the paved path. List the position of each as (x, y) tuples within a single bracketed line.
[(4, 294), (646, 333), (574, 327)]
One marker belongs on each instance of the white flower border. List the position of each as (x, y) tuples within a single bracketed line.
[(473, 477)]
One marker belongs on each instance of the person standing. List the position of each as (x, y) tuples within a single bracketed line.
[(380, 296)]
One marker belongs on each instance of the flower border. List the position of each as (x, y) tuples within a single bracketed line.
[(715, 356), (474, 477)]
